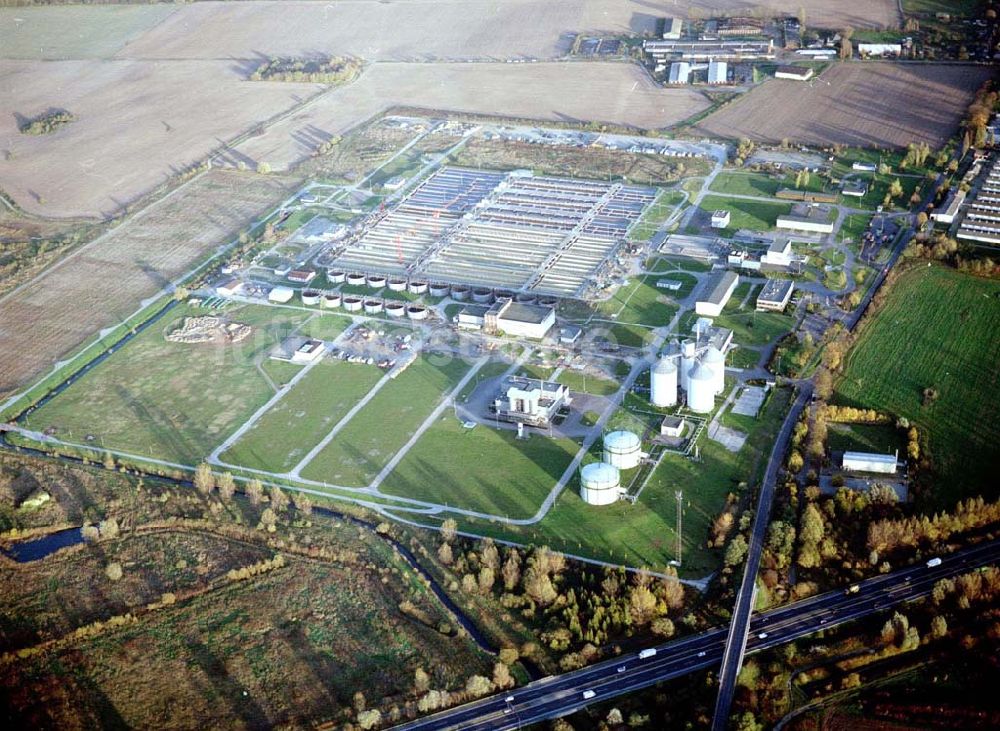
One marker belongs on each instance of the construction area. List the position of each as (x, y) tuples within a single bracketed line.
[(529, 234)]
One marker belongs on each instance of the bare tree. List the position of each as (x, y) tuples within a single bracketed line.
[(227, 486), (204, 480), (255, 491)]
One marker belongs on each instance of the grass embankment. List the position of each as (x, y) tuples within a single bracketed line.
[(937, 329)]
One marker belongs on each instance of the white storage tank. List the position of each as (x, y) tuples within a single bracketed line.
[(701, 389), (600, 484), (716, 362), (663, 383), (622, 449), (687, 362)]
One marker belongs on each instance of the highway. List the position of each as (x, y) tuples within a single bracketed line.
[(560, 695), (739, 627)]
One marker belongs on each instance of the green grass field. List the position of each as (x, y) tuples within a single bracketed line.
[(658, 212), (644, 534), (173, 401), (938, 329), (303, 417), (759, 184), (883, 438), (482, 469), (378, 431), (751, 214), (640, 302)]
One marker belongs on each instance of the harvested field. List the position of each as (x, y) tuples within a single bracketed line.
[(105, 281), (857, 104), (137, 124), (77, 31), (444, 29), (570, 92)]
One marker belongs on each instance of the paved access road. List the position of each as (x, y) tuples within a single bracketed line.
[(563, 694), (739, 627)]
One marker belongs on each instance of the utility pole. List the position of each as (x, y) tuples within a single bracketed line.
[(680, 510)]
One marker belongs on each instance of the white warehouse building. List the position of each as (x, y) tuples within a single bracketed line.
[(869, 462), (717, 291)]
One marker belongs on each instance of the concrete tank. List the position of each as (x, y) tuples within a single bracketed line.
[(352, 304), (335, 276), (525, 298), (687, 362), (373, 307), (395, 309), (482, 295), (663, 383), (356, 280), (397, 285), (310, 297), (418, 287), (332, 301), (716, 361), (622, 449), (460, 293), (417, 312), (439, 290), (376, 281), (701, 389), (600, 484)]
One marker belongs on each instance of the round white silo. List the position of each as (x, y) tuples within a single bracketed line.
[(687, 362), (622, 449), (701, 389), (716, 362), (663, 383), (600, 483)]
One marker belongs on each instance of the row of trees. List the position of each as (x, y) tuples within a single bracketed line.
[(575, 610), (970, 514)]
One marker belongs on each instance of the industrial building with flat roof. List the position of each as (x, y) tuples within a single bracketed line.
[(525, 233), (519, 319), (948, 212), (795, 73), (982, 216), (775, 295), (869, 462), (716, 293), (530, 400), (672, 29), (812, 220), (704, 51)]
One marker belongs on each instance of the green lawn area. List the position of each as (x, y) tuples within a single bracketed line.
[(381, 429), (325, 326), (938, 329), (303, 416), (755, 328), (482, 469), (883, 438), (658, 212), (674, 263), (759, 184), (173, 401), (751, 214), (643, 534), (640, 302), (854, 226)]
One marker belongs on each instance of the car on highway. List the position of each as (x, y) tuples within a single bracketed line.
[(701, 654), (762, 636), (588, 694), (621, 668), (934, 562)]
